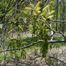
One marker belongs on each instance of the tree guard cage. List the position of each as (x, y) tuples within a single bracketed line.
[(5, 49), (58, 28), (61, 21)]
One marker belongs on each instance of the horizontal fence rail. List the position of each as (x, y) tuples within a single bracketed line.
[(32, 44)]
